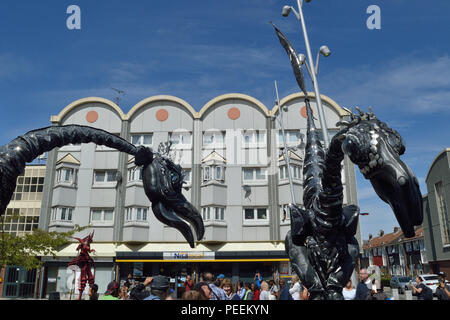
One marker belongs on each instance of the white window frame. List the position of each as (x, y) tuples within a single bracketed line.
[(184, 140), (105, 182), (288, 216), (254, 174), (140, 140), (136, 214), (134, 174), (213, 213), (258, 138), (102, 220), (255, 219), (62, 172), (408, 246), (58, 216), (210, 173), (289, 134), (214, 144), (296, 171)]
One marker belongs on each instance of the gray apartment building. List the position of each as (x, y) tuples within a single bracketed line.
[(436, 221), (235, 173)]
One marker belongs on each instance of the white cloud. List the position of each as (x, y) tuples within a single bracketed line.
[(409, 83)]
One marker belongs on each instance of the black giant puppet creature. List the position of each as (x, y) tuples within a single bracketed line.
[(321, 244), (162, 178)]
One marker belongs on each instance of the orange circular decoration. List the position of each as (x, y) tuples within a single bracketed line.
[(234, 113), (162, 115), (92, 116), (303, 112)]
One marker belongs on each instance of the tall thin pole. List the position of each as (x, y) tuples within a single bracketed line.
[(286, 153), (323, 123)]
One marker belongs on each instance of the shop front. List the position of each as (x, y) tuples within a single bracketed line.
[(233, 260)]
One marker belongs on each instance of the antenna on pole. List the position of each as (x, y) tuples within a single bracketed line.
[(119, 92)]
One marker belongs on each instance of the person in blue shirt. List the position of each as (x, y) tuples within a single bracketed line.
[(258, 278), (284, 291)]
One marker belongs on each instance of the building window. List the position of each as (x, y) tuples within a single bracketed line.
[(20, 220), (145, 139), (181, 139), (416, 245), (136, 214), (295, 170), (285, 215), (135, 174), (28, 188), (66, 175), (102, 177), (213, 213), (214, 139), (254, 174), (62, 214), (443, 213), (255, 214), (186, 176), (293, 137), (102, 215), (408, 246), (254, 138), (214, 172)]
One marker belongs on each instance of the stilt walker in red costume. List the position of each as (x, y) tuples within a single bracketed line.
[(84, 262)]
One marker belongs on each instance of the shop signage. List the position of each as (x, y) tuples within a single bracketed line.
[(184, 255)]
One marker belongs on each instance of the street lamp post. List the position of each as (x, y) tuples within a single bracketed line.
[(312, 68), (286, 151)]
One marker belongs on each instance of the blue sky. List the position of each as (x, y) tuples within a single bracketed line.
[(199, 49)]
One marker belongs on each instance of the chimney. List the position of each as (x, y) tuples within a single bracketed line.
[(395, 229), (381, 233)]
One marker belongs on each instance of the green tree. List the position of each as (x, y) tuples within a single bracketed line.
[(25, 250)]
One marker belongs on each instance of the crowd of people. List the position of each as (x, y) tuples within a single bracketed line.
[(219, 287)]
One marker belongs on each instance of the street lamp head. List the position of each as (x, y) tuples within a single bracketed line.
[(302, 58), (325, 51), (286, 10)]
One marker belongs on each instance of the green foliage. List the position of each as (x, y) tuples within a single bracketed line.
[(25, 250), (385, 280)]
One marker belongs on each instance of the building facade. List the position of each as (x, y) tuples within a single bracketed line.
[(436, 222), (395, 254), (21, 217), (235, 175)]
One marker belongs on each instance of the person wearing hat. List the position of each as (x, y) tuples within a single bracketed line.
[(159, 289), (112, 291), (443, 289)]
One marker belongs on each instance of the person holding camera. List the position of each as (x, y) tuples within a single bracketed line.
[(258, 278), (443, 289)]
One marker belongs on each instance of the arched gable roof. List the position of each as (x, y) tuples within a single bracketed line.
[(146, 101), (75, 104), (435, 160), (300, 95), (229, 96)]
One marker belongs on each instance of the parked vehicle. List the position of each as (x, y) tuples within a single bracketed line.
[(401, 283)]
